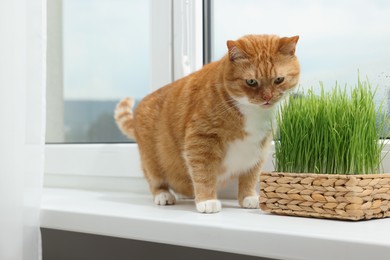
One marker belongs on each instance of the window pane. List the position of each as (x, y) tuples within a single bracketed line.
[(105, 57), (337, 38)]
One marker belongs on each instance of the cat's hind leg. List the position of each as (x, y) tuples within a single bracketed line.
[(157, 181), (160, 190), (164, 197)]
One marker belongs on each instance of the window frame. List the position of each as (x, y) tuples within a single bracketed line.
[(176, 50)]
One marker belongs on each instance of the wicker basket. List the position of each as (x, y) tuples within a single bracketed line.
[(349, 197)]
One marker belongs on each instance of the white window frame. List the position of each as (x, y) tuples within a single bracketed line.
[(176, 50)]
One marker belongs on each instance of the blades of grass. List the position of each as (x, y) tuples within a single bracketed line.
[(335, 132)]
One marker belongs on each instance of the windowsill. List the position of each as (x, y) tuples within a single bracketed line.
[(251, 232)]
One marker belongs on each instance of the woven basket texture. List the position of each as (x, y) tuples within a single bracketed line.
[(348, 197)]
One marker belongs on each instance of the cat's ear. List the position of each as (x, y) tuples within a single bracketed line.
[(235, 53), (287, 45)]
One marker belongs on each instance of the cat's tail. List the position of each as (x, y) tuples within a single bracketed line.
[(124, 117)]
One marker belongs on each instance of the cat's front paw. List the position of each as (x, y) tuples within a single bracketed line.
[(209, 206), (164, 198), (250, 202)]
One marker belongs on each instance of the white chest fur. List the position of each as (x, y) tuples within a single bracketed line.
[(243, 154)]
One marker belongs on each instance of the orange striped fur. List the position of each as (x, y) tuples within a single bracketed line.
[(211, 126)]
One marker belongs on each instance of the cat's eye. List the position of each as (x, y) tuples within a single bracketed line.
[(278, 80), (251, 82)]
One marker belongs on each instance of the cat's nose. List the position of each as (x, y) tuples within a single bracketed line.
[(267, 97)]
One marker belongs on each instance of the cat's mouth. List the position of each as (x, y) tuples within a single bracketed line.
[(257, 103), (266, 104)]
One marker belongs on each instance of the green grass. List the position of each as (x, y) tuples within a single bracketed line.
[(336, 132)]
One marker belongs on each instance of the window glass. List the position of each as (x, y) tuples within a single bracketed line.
[(105, 57), (337, 38)]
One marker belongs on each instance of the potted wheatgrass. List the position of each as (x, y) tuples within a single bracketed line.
[(328, 156)]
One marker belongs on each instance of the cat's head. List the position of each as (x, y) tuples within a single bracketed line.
[(260, 69)]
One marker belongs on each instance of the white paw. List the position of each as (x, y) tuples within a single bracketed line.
[(251, 202), (164, 198), (209, 206)]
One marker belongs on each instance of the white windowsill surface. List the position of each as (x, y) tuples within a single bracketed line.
[(251, 232)]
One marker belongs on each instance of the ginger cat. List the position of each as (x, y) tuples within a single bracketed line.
[(215, 124)]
